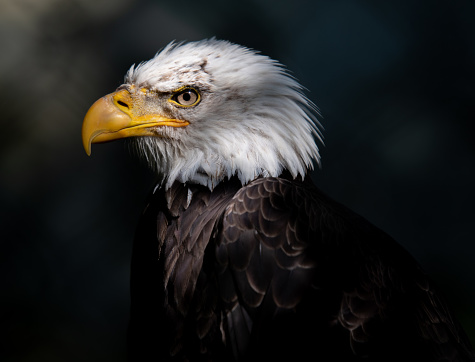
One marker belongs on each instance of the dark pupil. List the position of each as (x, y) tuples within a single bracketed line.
[(186, 96)]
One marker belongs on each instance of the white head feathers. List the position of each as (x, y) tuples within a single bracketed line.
[(252, 119)]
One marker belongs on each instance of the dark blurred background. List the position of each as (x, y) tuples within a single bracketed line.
[(394, 81)]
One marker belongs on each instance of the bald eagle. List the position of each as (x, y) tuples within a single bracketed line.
[(238, 256)]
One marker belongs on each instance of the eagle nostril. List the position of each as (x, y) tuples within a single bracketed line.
[(123, 104)]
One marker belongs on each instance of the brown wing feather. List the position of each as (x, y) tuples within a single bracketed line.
[(305, 267), (276, 270)]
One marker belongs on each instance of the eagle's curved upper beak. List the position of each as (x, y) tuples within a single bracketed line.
[(118, 115)]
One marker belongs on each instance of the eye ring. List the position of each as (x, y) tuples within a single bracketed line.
[(186, 97)]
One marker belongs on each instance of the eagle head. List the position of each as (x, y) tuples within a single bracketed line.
[(204, 111)]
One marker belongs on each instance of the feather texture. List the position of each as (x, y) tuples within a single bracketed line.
[(316, 281), (253, 119)]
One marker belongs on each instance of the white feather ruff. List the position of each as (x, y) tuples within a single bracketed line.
[(253, 119)]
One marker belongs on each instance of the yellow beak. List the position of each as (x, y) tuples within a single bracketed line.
[(114, 116)]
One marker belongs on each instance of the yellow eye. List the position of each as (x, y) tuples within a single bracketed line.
[(186, 97)]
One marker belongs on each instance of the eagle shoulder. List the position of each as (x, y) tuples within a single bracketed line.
[(275, 269), (296, 268), (266, 264)]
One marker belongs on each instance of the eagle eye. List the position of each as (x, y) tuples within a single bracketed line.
[(186, 97)]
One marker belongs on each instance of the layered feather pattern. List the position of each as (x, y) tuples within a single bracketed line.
[(276, 269)]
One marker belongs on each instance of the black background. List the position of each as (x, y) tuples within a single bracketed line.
[(394, 81)]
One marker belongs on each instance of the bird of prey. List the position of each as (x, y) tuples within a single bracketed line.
[(238, 256)]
